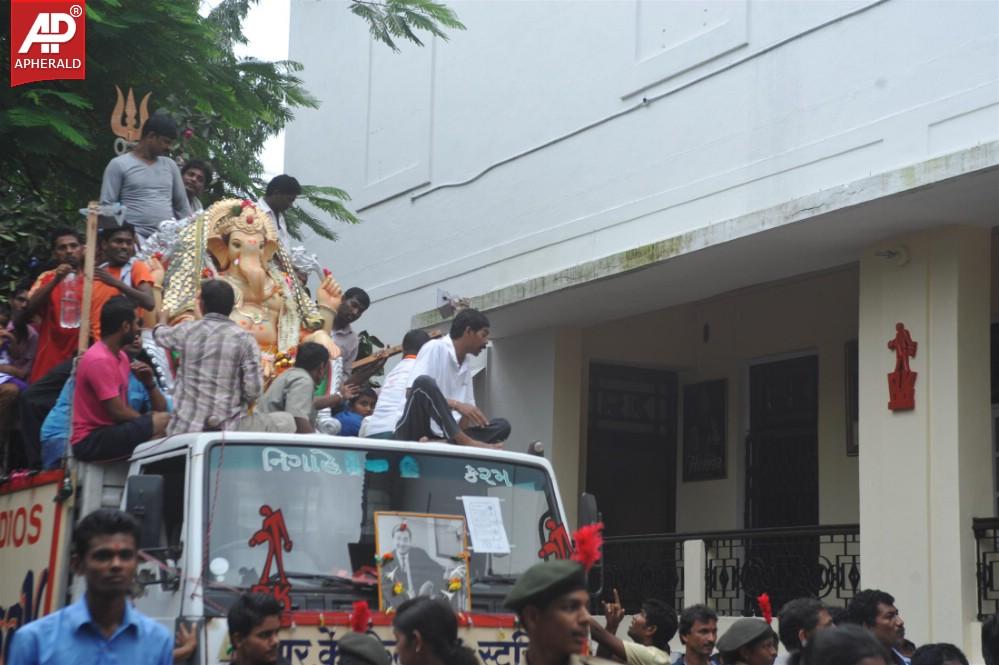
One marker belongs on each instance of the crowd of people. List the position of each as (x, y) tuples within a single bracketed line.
[(141, 377), (869, 631), (551, 600)]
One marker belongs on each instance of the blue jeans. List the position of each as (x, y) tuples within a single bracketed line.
[(53, 451)]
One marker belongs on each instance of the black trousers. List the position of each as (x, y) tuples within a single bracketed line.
[(114, 442), (35, 404), (426, 404)]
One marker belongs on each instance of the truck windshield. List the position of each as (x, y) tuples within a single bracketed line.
[(335, 502)]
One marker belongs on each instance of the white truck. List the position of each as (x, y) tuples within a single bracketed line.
[(309, 518)]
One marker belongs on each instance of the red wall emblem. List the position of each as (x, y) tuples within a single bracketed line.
[(48, 40), (902, 382)]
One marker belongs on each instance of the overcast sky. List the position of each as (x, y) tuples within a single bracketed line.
[(266, 27)]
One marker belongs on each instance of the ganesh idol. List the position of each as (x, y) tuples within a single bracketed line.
[(236, 241)]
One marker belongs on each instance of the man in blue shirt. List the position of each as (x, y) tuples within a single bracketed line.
[(102, 627), (698, 632)]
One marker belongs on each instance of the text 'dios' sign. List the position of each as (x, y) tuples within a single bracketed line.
[(48, 40)]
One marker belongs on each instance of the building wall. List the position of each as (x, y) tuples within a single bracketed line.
[(815, 314), (522, 146)]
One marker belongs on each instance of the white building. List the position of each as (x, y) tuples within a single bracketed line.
[(646, 195)]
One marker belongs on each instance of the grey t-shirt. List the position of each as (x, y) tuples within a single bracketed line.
[(151, 193), (292, 393)]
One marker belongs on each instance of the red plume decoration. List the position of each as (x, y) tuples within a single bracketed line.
[(764, 602), (360, 618), (588, 541)]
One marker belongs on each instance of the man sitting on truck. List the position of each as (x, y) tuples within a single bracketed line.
[(144, 396), (219, 375), (105, 427), (440, 402), (392, 397), (293, 390), (254, 621), (102, 624)]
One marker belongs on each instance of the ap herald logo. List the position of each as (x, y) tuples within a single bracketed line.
[(48, 40)]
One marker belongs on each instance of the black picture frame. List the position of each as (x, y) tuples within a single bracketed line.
[(704, 430), (851, 384)]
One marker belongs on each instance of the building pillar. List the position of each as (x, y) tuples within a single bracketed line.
[(695, 590), (567, 422), (535, 381), (925, 473)]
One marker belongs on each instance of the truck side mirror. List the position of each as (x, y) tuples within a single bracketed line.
[(590, 514), (144, 501), (588, 511)]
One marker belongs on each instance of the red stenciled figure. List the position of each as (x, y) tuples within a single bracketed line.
[(902, 382), (273, 532), (558, 543)]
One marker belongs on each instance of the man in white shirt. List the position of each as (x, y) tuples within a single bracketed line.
[(197, 175), (440, 403), (279, 196), (392, 396)]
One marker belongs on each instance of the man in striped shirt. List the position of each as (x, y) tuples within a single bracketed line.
[(219, 375)]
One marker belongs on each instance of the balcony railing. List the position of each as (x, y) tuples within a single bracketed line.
[(987, 540), (818, 561), (642, 567)]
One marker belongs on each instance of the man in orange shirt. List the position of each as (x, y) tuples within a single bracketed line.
[(56, 342), (122, 274)]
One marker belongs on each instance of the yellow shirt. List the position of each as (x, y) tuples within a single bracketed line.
[(640, 654)]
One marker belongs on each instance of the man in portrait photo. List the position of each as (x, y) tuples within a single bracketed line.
[(409, 571)]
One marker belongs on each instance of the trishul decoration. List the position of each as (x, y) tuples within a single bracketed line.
[(124, 124)]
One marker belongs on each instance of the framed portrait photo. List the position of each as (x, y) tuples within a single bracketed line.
[(422, 554)]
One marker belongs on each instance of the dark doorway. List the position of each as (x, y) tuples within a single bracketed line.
[(631, 469), (782, 476)]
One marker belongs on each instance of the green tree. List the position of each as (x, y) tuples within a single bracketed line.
[(54, 135)]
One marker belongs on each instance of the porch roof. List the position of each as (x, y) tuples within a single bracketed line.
[(823, 230)]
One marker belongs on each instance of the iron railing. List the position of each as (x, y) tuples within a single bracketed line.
[(817, 561), (987, 564), (641, 567), (786, 563)]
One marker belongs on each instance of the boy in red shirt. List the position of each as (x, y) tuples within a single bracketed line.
[(57, 342)]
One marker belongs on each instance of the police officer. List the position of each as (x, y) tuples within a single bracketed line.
[(551, 600)]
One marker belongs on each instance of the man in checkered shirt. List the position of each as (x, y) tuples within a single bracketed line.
[(219, 375)]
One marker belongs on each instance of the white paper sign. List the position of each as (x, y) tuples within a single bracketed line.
[(485, 525)]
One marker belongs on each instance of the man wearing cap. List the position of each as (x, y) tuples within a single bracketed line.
[(362, 649), (748, 641), (551, 601)]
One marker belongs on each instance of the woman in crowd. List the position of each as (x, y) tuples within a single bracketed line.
[(426, 633)]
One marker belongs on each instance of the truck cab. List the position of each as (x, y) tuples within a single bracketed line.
[(298, 516)]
